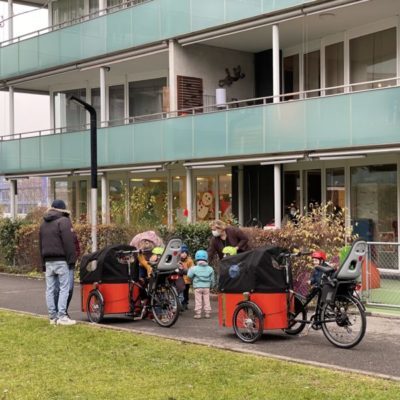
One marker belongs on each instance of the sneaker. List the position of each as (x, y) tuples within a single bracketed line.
[(65, 321), (197, 316), (53, 321), (207, 316)]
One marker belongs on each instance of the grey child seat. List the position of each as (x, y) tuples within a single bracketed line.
[(170, 257), (351, 266)]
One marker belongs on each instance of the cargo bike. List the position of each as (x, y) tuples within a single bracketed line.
[(256, 294), (110, 284)]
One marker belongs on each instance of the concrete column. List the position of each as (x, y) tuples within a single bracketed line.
[(189, 195), (10, 21), (11, 116), (172, 59), (105, 216), (103, 111), (277, 196), (13, 198), (240, 195), (275, 63), (102, 6)]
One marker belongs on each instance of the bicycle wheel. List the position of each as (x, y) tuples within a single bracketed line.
[(248, 322), (300, 313), (164, 306), (344, 321), (95, 306)]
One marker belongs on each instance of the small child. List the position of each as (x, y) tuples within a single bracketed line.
[(318, 258), (185, 263), (229, 251), (203, 279)]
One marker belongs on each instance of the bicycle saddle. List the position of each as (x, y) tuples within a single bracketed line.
[(325, 269)]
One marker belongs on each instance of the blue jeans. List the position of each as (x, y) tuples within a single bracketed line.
[(71, 288), (57, 276)]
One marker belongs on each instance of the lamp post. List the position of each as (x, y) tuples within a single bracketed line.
[(93, 167)]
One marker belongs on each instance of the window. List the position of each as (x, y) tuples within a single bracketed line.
[(70, 114), (373, 57), (312, 79), (179, 198), (291, 76), (225, 196), (334, 67), (205, 198), (116, 105), (291, 190), (335, 189), (146, 97)]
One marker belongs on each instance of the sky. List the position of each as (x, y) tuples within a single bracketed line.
[(38, 107)]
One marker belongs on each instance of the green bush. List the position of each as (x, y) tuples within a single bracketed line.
[(9, 233)]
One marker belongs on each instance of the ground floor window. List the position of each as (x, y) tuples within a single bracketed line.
[(335, 188), (179, 211), (205, 198)]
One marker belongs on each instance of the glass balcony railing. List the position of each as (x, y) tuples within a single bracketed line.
[(365, 118), (139, 24)]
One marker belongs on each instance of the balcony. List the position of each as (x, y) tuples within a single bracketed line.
[(365, 118), (144, 23)]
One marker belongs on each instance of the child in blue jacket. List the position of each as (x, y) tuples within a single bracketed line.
[(203, 280)]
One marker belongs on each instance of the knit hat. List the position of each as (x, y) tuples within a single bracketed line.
[(59, 204)]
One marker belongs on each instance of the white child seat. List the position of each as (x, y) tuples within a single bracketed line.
[(351, 267), (170, 257)]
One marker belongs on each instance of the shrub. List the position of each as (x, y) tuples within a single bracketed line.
[(9, 232)]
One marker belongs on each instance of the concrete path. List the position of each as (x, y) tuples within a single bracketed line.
[(377, 354)]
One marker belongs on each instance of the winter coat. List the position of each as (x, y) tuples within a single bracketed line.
[(57, 239), (186, 265), (202, 276), (235, 237)]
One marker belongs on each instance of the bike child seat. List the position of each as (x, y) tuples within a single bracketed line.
[(326, 269), (351, 266), (170, 257)]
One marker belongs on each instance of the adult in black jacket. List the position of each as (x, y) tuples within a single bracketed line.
[(58, 254)]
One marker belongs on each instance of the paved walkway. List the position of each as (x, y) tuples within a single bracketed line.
[(378, 353)]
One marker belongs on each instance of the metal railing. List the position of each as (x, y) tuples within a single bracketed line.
[(211, 108), (74, 21), (381, 278)]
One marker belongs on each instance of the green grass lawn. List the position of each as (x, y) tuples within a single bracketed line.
[(39, 361)]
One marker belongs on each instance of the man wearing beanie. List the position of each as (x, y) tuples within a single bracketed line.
[(58, 254)]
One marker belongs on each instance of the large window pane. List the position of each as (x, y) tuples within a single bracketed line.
[(373, 57), (116, 105), (225, 196), (179, 198), (69, 114), (334, 70), (312, 73), (205, 198), (335, 189), (291, 76), (148, 202), (146, 97), (374, 201), (291, 191)]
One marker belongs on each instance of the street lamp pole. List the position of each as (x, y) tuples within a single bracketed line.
[(93, 167)]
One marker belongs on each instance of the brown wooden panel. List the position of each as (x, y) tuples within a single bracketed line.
[(190, 92)]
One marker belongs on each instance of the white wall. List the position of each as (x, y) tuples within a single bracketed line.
[(209, 63)]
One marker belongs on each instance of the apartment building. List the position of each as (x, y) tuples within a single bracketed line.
[(210, 108)]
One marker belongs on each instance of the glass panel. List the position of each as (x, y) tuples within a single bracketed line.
[(291, 193), (95, 101), (205, 198), (118, 201), (32, 193), (93, 8), (312, 71), (313, 185), (116, 105), (334, 67), (374, 201), (335, 189), (148, 202), (146, 97), (70, 114), (82, 200), (179, 199), (225, 196), (61, 191), (291, 75), (373, 57)]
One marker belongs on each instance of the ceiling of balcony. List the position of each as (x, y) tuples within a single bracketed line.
[(310, 27)]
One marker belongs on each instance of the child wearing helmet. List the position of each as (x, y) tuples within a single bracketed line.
[(229, 251), (203, 279), (318, 258), (185, 263)]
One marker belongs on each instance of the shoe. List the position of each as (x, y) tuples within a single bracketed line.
[(53, 321), (207, 316), (65, 321), (197, 316)]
